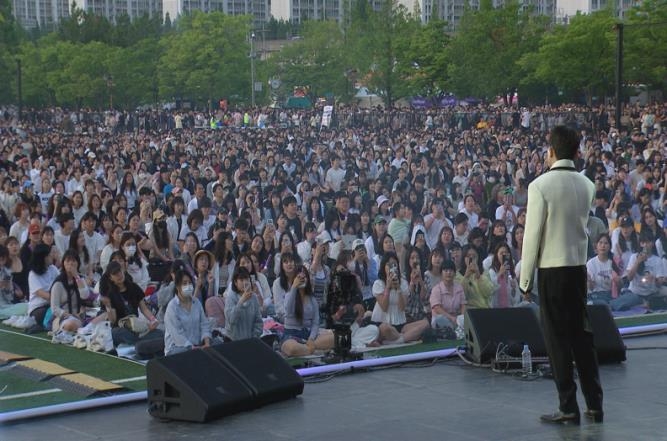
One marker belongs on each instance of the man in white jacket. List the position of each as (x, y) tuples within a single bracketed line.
[(555, 242)]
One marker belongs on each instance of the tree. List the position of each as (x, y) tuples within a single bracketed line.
[(317, 60), (645, 44), (578, 57), (377, 42), (207, 57), (428, 56), (483, 55)]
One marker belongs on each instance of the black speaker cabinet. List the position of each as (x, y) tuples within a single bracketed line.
[(202, 385), (485, 329), (608, 342)]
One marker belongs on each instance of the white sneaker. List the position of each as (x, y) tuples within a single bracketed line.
[(63, 338), (86, 330), (10, 321), (80, 341), (25, 322)]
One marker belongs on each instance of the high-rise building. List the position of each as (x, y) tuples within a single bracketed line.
[(112, 9), (44, 14), (297, 11)]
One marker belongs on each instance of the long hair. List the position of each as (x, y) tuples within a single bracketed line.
[(614, 265), (286, 257), (307, 290), (73, 245), (496, 264), (38, 261), (222, 255), (161, 234), (382, 273), (71, 288), (136, 259)]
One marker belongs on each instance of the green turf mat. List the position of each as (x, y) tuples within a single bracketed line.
[(99, 365), (641, 320)]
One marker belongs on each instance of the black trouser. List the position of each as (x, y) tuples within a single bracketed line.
[(39, 314), (568, 335)]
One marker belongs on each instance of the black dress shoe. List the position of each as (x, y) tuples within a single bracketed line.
[(561, 418), (595, 415)]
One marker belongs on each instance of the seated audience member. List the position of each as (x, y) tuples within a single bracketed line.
[(319, 268), (243, 313), (433, 274), (502, 276), (283, 283), (260, 283), (391, 293), (42, 275), (121, 297), (476, 284), (185, 324), (344, 305), (68, 292), (137, 266), (646, 273), (10, 295), (166, 291), (205, 275), (366, 269), (302, 317), (447, 299), (417, 305), (604, 277)]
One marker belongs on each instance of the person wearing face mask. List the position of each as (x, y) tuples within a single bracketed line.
[(137, 266), (185, 323), (243, 313)]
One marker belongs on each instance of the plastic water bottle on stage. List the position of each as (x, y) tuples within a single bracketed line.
[(526, 361)]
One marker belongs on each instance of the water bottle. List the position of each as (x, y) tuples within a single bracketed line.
[(526, 361)]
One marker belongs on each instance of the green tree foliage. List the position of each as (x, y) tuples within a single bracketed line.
[(483, 55), (207, 58), (318, 60), (645, 54), (578, 57), (426, 59)]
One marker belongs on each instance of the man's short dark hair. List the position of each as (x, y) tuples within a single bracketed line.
[(288, 200), (565, 142)]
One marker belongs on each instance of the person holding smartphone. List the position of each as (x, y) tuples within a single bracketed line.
[(243, 313), (302, 319), (503, 278)]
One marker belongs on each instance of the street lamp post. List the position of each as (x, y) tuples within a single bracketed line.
[(252, 69), (619, 75), (109, 79), (19, 87)]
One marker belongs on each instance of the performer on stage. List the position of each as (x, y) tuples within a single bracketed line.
[(555, 241)]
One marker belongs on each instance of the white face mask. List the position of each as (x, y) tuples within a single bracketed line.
[(130, 250), (187, 290)]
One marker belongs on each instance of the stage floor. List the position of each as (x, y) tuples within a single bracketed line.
[(446, 401)]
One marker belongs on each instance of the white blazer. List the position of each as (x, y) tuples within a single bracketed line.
[(557, 213)]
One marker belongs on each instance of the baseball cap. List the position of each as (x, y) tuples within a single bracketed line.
[(323, 238), (626, 221), (358, 243), (381, 200), (379, 220), (27, 184)]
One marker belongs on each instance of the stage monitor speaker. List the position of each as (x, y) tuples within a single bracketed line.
[(202, 385), (485, 329), (608, 342), (268, 376)]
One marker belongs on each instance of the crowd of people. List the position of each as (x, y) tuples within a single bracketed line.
[(181, 229)]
